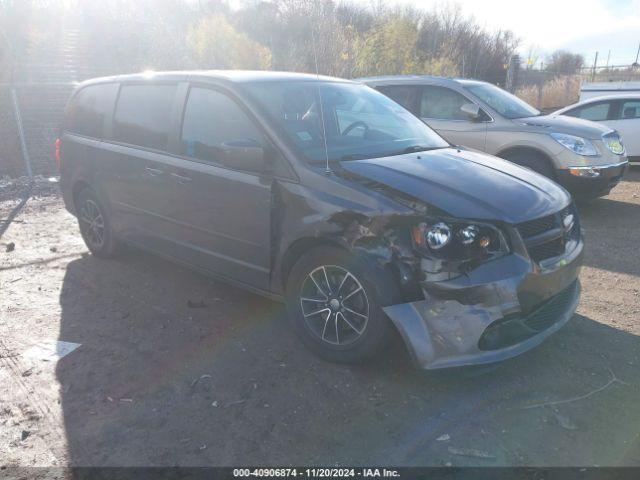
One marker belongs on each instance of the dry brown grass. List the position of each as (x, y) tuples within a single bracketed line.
[(556, 93)]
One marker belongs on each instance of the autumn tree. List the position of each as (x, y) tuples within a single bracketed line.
[(217, 44), (390, 47)]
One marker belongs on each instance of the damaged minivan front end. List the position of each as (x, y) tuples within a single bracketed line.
[(494, 280), (495, 310)]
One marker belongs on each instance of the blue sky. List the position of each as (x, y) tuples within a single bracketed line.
[(584, 26)]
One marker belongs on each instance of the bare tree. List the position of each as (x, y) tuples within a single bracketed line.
[(564, 62)]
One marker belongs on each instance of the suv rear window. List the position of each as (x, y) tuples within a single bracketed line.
[(144, 114), (442, 103), (402, 94), (89, 109)]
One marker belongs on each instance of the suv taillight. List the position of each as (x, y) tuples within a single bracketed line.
[(57, 154)]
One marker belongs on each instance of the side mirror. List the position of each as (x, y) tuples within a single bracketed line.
[(244, 154), (471, 110)]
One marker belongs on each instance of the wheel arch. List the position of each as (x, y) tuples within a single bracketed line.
[(78, 187), (526, 149), (376, 267), (297, 249)]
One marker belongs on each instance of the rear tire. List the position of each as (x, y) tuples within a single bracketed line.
[(533, 161), (95, 225), (335, 308)]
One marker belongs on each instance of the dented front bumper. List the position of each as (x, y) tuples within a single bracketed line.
[(495, 312)]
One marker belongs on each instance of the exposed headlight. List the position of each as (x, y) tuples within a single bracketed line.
[(469, 234), (458, 240), (438, 236), (578, 145), (614, 143)]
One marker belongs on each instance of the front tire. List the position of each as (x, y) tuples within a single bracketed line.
[(335, 308), (95, 225), (533, 161)]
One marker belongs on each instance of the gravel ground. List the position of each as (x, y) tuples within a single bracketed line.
[(155, 382)]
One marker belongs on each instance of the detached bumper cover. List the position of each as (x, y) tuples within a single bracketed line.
[(484, 317)]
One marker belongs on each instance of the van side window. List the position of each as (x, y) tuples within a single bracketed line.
[(596, 112), (143, 115), (89, 109), (212, 119), (442, 103)]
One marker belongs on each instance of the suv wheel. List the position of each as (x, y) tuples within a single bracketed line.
[(95, 225), (335, 309), (533, 161)]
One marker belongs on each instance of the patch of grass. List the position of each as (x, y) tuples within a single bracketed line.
[(553, 94)]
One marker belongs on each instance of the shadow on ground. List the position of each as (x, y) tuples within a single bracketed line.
[(608, 226), (158, 383)]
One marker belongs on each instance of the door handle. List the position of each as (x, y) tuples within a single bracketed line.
[(181, 178), (154, 172)]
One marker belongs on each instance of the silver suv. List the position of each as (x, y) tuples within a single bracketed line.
[(586, 158)]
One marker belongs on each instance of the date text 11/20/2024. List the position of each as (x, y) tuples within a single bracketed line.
[(316, 472)]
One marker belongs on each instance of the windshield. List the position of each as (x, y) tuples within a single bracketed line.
[(359, 122), (502, 101)]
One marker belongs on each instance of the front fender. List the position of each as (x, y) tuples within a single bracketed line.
[(375, 230)]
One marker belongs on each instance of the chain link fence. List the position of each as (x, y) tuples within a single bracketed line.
[(11, 161), (30, 120)]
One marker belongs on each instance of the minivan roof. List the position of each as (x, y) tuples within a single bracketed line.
[(415, 80), (234, 76)]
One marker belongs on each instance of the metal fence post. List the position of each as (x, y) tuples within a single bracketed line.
[(539, 101), (23, 142), (512, 73)]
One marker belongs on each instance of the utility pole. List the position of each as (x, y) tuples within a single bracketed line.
[(635, 64), (595, 64), (608, 58)]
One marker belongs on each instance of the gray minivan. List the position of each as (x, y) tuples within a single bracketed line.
[(586, 158), (330, 196)]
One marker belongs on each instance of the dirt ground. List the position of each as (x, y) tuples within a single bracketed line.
[(158, 382)]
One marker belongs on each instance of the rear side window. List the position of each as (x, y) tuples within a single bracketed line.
[(630, 109), (90, 108), (442, 103), (144, 114), (212, 119), (402, 94), (596, 112)]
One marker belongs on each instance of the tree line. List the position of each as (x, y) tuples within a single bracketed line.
[(339, 38)]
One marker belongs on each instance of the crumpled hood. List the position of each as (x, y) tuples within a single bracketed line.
[(466, 184), (565, 124)]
